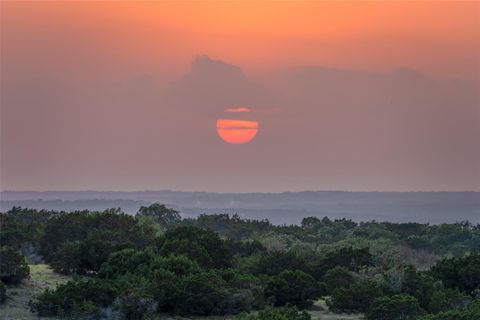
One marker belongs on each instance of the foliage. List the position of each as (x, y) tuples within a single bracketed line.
[(461, 273), (13, 266), (79, 242), (3, 292), (76, 297), (293, 288), (136, 267), (356, 297), (203, 246), (396, 307), (287, 313), (160, 214), (471, 312), (337, 277)]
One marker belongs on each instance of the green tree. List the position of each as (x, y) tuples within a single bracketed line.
[(337, 277), (84, 297), (162, 215), (356, 297), (397, 307), (3, 292), (292, 287), (201, 294), (461, 273), (13, 266), (287, 313), (203, 246)]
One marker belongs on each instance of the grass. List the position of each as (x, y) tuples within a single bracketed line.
[(320, 311), (43, 277)]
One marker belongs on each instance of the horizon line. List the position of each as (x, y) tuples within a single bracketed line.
[(247, 192)]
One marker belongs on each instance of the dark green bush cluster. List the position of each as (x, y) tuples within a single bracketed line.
[(155, 263), (189, 271), (79, 242), (471, 312), (3, 292), (449, 285), (286, 313), (13, 266), (77, 297)]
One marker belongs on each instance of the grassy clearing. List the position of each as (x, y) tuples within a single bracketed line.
[(41, 278), (320, 312)]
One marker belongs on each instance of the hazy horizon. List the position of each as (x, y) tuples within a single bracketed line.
[(128, 96), (245, 192)]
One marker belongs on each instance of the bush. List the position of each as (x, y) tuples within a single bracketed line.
[(84, 297), (290, 313), (98, 233), (127, 261), (461, 273), (447, 299), (356, 297), (203, 246), (3, 293), (292, 287), (397, 307), (160, 214), (13, 266), (201, 294), (471, 312), (336, 278)]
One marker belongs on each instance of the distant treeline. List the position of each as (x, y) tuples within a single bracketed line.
[(155, 262), (278, 208)]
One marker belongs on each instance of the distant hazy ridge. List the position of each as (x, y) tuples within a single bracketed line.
[(279, 208)]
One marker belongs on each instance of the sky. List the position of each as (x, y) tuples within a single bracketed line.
[(359, 96)]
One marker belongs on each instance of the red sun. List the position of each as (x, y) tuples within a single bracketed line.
[(236, 131)]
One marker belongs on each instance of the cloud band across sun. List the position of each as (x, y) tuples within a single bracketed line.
[(237, 110), (236, 131)]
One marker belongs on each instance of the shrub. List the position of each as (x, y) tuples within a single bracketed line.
[(397, 307), (203, 246), (461, 273), (292, 287), (76, 297), (356, 297), (471, 312), (160, 214), (337, 277), (201, 294), (3, 293), (290, 313), (13, 266)]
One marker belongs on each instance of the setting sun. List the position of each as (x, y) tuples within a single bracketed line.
[(236, 131)]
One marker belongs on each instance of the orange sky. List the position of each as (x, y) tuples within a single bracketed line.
[(353, 95), (435, 37)]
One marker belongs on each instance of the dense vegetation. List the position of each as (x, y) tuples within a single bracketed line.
[(133, 267)]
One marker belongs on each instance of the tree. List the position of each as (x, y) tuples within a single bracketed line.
[(201, 294), (84, 297), (292, 287), (287, 313), (13, 266), (203, 246), (162, 215), (461, 273), (356, 297), (3, 293), (397, 307), (337, 277), (471, 312)]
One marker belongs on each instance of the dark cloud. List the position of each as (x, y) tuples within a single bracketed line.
[(211, 86)]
